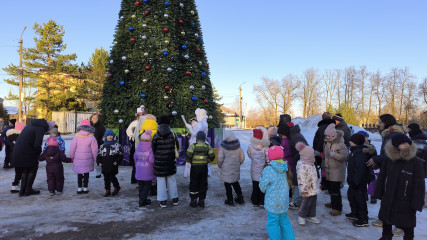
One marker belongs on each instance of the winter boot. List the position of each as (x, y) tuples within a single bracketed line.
[(30, 181), (229, 202), (23, 184), (85, 190), (14, 189), (239, 199), (115, 191), (107, 193), (79, 190), (201, 203), (193, 202)]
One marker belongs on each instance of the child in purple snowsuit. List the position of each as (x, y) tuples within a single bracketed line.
[(144, 164), (54, 168)]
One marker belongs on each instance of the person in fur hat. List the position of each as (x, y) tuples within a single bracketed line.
[(335, 156), (12, 135), (54, 158), (307, 183), (144, 164), (83, 152), (110, 154), (257, 152), (275, 183), (400, 187)]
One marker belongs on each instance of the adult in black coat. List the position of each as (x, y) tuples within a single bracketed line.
[(12, 135), (8, 152), (295, 136), (420, 138), (99, 134), (340, 124), (400, 186), (26, 152)]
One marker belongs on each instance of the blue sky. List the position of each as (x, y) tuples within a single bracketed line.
[(248, 40)]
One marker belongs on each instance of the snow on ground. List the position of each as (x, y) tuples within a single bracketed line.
[(93, 216)]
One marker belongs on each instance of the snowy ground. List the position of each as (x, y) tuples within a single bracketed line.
[(92, 216)]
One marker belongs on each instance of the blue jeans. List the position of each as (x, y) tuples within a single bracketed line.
[(166, 186), (279, 227)]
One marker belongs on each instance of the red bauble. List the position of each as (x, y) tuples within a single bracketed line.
[(165, 29), (110, 75), (187, 72), (137, 3), (207, 65), (205, 101), (167, 88), (132, 39), (181, 21), (197, 49), (146, 12), (147, 68)]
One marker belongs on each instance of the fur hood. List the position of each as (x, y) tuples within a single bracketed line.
[(339, 138), (265, 142), (395, 128), (13, 131), (86, 128), (394, 154)]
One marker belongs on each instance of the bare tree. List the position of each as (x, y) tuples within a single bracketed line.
[(405, 78), (331, 80), (288, 93), (362, 74), (268, 95), (408, 99), (423, 90), (349, 85), (391, 89), (310, 92), (378, 89)]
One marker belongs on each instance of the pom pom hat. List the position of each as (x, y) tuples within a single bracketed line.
[(331, 131), (52, 142), (275, 153), (306, 153), (357, 139)]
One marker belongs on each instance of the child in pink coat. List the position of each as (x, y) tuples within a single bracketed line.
[(83, 152)]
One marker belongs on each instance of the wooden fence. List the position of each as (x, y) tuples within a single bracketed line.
[(68, 121)]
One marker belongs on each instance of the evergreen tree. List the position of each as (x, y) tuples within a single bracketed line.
[(158, 60), (3, 112)]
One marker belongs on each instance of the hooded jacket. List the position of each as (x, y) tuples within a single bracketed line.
[(144, 162), (335, 164), (54, 158), (257, 152), (12, 135), (319, 136), (294, 138), (108, 155), (400, 186), (274, 184), (29, 144), (84, 149), (387, 134), (164, 151), (421, 140), (357, 171), (230, 157)]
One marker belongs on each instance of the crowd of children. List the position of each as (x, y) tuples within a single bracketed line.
[(283, 170)]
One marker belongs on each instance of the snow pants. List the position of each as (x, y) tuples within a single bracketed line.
[(279, 227)]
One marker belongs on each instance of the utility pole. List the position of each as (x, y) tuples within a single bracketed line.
[(21, 77), (240, 101)]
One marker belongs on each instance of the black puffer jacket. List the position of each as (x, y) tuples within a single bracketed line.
[(294, 138), (400, 187), (164, 151), (421, 140), (29, 144), (346, 130), (357, 171)]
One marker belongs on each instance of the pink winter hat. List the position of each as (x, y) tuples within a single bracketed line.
[(85, 123), (52, 142), (19, 126), (146, 136), (330, 130), (275, 153), (306, 153)]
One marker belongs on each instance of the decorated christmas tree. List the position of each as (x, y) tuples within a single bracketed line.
[(157, 60)]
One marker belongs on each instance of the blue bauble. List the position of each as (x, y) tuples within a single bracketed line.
[(143, 95), (131, 29), (166, 3), (122, 83), (184, 47), (165, 53), (193, 24), (201, 39), (194, 98), (203, 74), (145, 1)]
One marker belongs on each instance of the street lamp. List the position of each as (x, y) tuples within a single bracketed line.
[(240, 101), (21, 77)]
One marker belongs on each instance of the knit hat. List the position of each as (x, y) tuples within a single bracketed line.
[(275, 153), (51, 125), (146, 136), (357, 139), (306, 153), (164, 120), (337, 117), (19, 126), (109, 132), (364, 133), (84, 122), (201, 135), (284, 130), (330, 130), (52, 142), (276, 141), (400, 138), (388, 120), (54, 131), (272, 131), (414, 129), (284, 118), (257, 134), (13, 121)]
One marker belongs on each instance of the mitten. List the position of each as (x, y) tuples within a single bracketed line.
[(332, 154)]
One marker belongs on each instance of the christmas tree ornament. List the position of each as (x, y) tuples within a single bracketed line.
[(167, 88), (166, 15), (115, 42), (132, 40), (205, 101), (192, 12), (146, 13), (127, 71), (166, 3), (183, 33), (203, 87), (116, 111), (193, 24), (191, 87), (196, 35), (214, 101), (144, 80), (165, 97), (144, 37), (169, 69), (133, 16), (203, 74), (143, 95), (174, 113), (131, 29), (166, 42), (165, 53), (165, 30), (146, 54), (200, 63), (188, 73), (111, 61), (186, 56), (180, 21), (210, 116), (184, 47), (197, 49), (124, 58), (194, 98), (109, 75), (142, 106), (181, 5), (120, 120), (207, 65), (148, 68), (201, 40), (122, 83), (145, 1), (144, 25), (137, 3), (121, 17)]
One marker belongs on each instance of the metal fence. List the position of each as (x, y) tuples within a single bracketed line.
[(68, 121)]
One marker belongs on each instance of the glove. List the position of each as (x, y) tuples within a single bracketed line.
[(332, 154), (318, 154)]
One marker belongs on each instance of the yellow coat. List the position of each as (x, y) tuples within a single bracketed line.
[(149, 124)]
